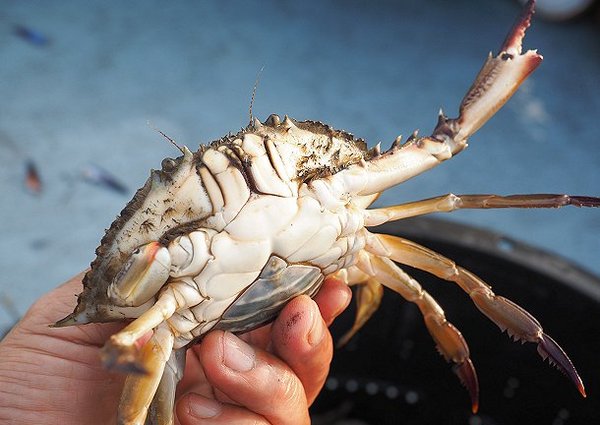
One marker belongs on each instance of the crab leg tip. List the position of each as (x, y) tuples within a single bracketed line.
[(586, 201), (468, 377), (121, 359), (549, 349)]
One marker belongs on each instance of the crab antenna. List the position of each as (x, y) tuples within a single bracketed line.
[(254, 92), (167, 137)]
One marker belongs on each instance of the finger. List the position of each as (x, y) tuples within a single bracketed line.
[(333, 298), (59, 301), (260, 337), (193, 380), (302, 340), (194, 409), (53, 306), (253, 378)]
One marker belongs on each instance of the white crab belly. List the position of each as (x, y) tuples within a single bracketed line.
[(298, 231)]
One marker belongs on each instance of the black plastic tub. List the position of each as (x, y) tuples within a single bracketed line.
[(390, 373)]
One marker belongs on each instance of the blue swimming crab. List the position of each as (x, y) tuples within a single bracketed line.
[(224, 237)]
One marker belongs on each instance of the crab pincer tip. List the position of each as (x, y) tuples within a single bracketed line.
[(517, 33)]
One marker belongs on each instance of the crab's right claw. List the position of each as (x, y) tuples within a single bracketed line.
[(498, 79)]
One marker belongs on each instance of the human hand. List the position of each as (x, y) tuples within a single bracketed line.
[(54, 376)]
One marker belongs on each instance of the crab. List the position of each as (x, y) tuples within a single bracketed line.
[(224, 237)]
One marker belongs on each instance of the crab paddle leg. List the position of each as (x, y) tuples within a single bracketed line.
[(368, 299), (451, 202), (449, 341), (519, 324), (139, 389)]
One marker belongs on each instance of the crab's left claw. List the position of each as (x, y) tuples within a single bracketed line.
[(498, 79)]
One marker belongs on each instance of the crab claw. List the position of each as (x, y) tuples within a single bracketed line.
[(496, 82), (549, 349), (517, 33), (142, 275)]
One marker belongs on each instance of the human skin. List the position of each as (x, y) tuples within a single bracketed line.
[(268, 376)]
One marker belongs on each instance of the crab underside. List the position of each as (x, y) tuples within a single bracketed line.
[(224, 237)]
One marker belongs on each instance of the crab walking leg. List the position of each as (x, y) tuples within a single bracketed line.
[(120, 353), (449, 341), (451, 202), (163, 405), (519, 324), (139, 389)]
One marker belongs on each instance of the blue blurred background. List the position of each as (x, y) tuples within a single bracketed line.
[(84, 84)]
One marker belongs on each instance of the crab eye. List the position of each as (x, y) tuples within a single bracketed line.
[(168, 165)]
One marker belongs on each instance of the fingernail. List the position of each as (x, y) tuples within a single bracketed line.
[(345, 298), (202, 407), (316, 332), (237, 355)]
